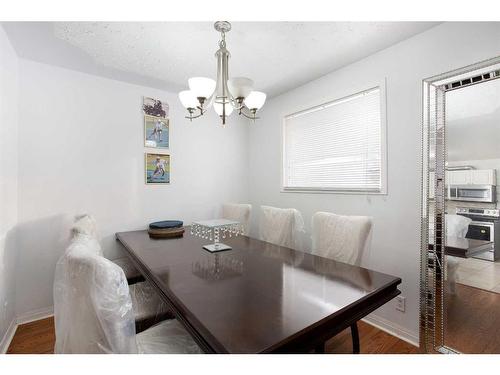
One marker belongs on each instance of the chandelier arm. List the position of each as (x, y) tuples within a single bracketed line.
[(249, 116), (191, 117)]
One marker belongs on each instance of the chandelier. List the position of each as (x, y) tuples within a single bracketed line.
[(224, 94)]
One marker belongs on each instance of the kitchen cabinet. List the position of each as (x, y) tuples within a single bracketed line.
[(459, 177), (483, 177), (471, 177)]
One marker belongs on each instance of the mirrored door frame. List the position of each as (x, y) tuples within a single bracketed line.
[(433, 230)]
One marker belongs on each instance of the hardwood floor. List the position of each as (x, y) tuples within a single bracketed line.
[(38, 338), (473, 320)]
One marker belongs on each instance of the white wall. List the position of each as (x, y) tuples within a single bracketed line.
[(396, 234), (8, 181), (81, 150)]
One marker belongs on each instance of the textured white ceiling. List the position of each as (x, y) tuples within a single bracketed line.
[(278, 56)]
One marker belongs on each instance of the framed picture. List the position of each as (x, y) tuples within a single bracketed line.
[(157, 168), (156, 132), (154, 107)]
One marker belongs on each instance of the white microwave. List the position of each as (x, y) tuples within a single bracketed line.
[(472, 193)]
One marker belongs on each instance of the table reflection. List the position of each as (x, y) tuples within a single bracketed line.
[(217, 267)]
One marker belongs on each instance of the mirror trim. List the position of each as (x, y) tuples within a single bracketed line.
[(432, 261)]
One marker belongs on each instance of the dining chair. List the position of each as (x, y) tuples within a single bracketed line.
[(344, 239), (148, 306), (93, 311), (456, 226), (238, 212), (281, 226), (86, 225)]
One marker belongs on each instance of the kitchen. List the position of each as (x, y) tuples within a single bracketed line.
[(472, 176)]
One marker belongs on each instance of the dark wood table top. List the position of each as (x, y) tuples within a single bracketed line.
[(257, 297), (465, 247)]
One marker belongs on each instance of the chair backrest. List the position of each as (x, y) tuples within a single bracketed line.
[(92, 306), (281, 226), (84, 230), (238, 212), (457, 225), (342, 238)]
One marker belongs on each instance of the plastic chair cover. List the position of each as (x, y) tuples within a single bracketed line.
[(457, 225), (342, 238), (84, 231), (166, 337), (92, 305), (149, 308), (238, 212), (281, 226)]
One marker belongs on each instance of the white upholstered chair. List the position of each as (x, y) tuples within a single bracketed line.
[(344, 239), (281, 226), (148, 306), (238, 212), (456, 226), (93, 311)]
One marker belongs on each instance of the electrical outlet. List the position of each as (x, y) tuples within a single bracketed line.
[(401, 303)]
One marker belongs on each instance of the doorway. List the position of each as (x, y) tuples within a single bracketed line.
[(460, 245)]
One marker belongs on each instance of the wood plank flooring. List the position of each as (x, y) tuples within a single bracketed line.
[(38, 338), (473, 320)]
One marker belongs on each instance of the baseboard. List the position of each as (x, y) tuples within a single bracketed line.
[(7, 338), (392, 329), (38, 314), (23, 319)]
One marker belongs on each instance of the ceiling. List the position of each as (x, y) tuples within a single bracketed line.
[(473, 122), (278, 56)]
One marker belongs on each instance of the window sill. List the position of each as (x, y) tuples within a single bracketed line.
[(333, 191)]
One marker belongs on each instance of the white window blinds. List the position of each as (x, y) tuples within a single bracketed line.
[(335, 146)]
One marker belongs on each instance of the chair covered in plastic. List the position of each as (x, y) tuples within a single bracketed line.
[(93, 311), (456, 226), (344, 239), (238, 212), (281, 226), (85, 225), (148, 306)]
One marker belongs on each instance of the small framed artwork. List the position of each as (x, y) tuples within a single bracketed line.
[(156, 132), (156, 123), (157, 168)]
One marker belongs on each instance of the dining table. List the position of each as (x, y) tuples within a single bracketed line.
[(464, 247), (257, 297)]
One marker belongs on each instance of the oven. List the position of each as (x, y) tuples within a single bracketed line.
[(485, 226), (481, 230)]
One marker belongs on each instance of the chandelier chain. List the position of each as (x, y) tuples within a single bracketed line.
[(222, 42)]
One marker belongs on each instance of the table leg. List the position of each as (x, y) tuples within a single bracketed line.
[(320, 349), (355, 338)]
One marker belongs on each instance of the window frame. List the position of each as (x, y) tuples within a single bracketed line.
[(383, 144)]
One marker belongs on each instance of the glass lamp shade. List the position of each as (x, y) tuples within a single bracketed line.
[(218, 108), (201, 87), (188, 99), (240, 87), (255, 100)]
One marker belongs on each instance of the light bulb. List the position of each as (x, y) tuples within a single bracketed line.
[(255, 100), (240, 87), (188, 99), (218, 108), (202, 87)]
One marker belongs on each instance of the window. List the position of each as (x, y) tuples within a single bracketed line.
[(336, 146)]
